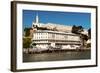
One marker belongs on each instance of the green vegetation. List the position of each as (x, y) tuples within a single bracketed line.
[(84, 38), (88, 45), (27, 32), (89, 33), (77, 29), (26, 42)]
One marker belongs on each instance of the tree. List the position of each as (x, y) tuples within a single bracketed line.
[(74, 29), (89, 33), (27, 32), (77, 29), (26, 42), (84, 38)]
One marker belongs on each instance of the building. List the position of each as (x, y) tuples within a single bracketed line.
[(45, 37)]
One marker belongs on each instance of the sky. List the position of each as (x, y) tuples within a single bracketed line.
[(63, 18)]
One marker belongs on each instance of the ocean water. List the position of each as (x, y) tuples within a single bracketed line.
[(57, 56)]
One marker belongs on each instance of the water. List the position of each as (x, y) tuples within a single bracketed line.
[(57, 56)]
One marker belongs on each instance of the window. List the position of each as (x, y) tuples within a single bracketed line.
[(65, 36), (53, 35)]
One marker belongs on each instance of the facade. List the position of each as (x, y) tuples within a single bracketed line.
[(54, 38), (45, 38)]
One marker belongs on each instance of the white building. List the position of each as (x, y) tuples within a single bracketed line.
[(45, 38)]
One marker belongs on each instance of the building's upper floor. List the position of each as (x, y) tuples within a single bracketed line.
[(55, 35)]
